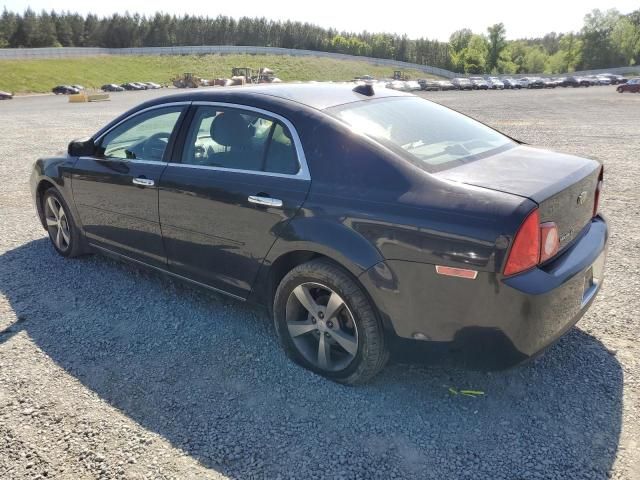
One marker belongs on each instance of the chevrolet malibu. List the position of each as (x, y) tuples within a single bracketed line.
[(356, 215)]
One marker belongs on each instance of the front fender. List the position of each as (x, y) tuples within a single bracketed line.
[(56, 172)]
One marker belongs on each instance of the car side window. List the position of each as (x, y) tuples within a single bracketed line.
[(142, 137), (241, 140)]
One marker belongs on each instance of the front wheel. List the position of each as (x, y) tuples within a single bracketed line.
[(326, 323), (63, 232)]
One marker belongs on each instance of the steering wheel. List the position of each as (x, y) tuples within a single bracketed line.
[(154, 146)]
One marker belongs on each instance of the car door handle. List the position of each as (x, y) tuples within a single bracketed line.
[(265, 201), (143, 182)]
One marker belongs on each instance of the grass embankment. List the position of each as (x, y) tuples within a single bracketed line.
[(40, 75)]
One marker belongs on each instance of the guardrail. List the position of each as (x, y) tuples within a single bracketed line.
[(71, 52)]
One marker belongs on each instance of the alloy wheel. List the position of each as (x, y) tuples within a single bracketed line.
[(57, 223), (321, 326)]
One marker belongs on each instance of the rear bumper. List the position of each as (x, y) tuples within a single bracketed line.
[(518, 316)]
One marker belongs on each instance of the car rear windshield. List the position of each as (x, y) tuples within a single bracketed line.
[(429, 135)]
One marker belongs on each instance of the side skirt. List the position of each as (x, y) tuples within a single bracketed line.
[(119, 256)]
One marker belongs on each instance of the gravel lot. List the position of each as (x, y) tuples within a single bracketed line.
[(107, 371)]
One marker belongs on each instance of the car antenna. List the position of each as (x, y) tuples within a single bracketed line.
[(365, 88)]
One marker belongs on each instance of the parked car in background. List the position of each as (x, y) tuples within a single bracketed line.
[(141, 85), (444, 230), (132, 86), (479, 83), (152, 86), (532, 82), (575, 81), (598, 80), (495, 83), (429, 85), (461, 83), (549, 83), (78, 87), (511, 83), (614, 78), (446, 85), (412, 85), (524, 82), (5, 95), (559, 81), (111, 87), (399, 85), (65, 90), (632, 86)]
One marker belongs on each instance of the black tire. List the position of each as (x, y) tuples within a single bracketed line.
[(74, 247), (372, 353)]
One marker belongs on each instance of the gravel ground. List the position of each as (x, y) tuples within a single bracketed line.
[(107, 371)]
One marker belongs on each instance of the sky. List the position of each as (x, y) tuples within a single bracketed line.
[(434, 20)]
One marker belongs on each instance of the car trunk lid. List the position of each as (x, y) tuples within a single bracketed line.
[(562, 185)]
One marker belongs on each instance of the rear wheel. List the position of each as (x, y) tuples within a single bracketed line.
[(326, 323), (63, 233)]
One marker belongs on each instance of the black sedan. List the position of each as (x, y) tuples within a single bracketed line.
[(65, 90), (5, 95), (111, 87), (133, 86), (576, 82), (462, 84), (356, 215), (429, 85)]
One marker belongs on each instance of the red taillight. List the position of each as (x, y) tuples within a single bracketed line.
[(596, 200), (525, 251), (549, 241)]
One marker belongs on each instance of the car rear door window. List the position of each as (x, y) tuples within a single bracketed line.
[(142, 137), (239, 139)]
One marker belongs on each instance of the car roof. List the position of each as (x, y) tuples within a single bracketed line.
[(315, 95)]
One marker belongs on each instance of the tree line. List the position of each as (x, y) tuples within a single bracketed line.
[(607, 39)]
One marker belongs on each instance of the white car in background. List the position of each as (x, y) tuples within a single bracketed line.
[(511, 83), (495, 83), (398, 85), (412, 85)]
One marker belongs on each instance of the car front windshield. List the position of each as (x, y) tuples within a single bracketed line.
[(429, 135)]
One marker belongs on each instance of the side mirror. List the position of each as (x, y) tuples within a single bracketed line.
[(83, 147)]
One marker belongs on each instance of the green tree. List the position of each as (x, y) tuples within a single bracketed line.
[(598, 51), (497, 42), (571, 49), (625, 38), (8, 25), (475, 55), (458, 42), (535, 60)]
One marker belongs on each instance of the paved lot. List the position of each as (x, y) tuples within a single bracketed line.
[(107, 371)]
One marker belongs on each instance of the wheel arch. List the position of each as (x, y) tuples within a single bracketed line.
[(43, 185), (274, 273)]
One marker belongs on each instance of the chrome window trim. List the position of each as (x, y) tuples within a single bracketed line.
[(140, 112), (303, 172), (126, 160), (126, 119)]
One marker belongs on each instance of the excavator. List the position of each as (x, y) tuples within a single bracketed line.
[(243, 75)]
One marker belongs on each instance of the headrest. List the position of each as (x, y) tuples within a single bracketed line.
[(230, 129)]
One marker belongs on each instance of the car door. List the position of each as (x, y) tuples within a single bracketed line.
[(115, 190), (241, 177)]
